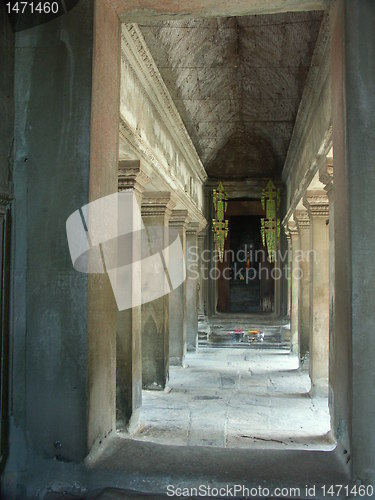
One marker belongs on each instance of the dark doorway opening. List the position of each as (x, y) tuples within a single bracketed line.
[(246, 284), (244, 288)]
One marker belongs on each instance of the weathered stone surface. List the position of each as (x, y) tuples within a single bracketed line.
[(192, 280), (177, 299), (156, 211), (303, 224), (317, 206), (232, 398), (168, 9), (354, 185)]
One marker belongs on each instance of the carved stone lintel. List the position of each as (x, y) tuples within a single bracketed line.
[(156, 203), (316, 203), (302, 219)]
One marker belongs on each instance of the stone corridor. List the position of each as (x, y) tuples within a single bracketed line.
[(217, 326), (237, 398)]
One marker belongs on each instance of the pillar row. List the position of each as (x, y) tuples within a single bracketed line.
[(128, 331), (156, 212), (301, 217), (317, 205), (177, 299)]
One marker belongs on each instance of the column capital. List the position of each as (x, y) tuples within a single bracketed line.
[(179, 218), (316, 203), (202, 234), (292, 228), (131, 176), (193, 228), (286, 231), (203, 226), (326, 176), (157, 203), (302, 219)]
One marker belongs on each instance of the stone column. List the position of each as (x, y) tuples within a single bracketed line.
[(64, 329), (326, 177), (212, 264), (203, 323), (303, 224), (202, 295), (156, 211), (295, 285), (288, 268), (317, 205), (277, 281), (177, 299), (128, 338), (192, 280), (353, 111)]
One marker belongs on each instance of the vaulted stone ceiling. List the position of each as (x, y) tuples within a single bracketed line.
[(237, 83)]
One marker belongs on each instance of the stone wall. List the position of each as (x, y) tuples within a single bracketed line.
[(6, 159), (152, 124)]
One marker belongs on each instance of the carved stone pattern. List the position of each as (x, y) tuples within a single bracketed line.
[(137, 144), (319, 210)]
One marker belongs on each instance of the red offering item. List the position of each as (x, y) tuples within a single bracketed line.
[(238, 330)]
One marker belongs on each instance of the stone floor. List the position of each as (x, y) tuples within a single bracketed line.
[(237, 398), (232, 416)]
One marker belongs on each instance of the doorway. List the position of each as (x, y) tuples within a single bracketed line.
[(244, 287), (246, 284)]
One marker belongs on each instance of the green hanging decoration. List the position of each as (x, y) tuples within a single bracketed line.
[(220, 224), (270, 224)]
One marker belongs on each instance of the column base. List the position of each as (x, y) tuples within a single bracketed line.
[(176, 361), (305, 362), (154, 387), (319, 389), (192, 347), (129, 425)]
